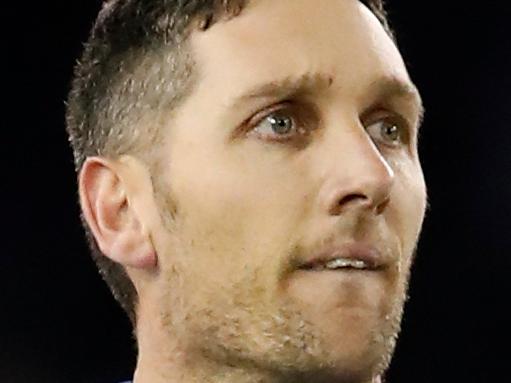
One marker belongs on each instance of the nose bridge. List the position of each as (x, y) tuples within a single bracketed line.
[(358, 175)]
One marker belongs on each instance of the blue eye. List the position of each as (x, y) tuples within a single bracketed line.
[(387, 132), (287, 122), (275, 124)]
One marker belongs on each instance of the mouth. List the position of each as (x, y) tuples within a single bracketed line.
[(353, 257), (339, 263)]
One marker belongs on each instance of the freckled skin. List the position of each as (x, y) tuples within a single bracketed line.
[(226, 306)]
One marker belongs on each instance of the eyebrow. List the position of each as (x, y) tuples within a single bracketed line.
[(392, 87), (285, 87), (386, 87)]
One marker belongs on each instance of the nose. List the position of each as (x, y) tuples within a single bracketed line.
[(361, 179)]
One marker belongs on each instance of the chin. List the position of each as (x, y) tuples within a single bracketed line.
[(356, 345), (350, 353), (360, 361), (338, 371)]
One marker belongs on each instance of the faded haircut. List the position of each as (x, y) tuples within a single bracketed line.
[(136, 69)]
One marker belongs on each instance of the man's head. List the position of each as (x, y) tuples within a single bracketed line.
[(227, 151)]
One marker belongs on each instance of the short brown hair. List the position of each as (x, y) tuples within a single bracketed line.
[(135, 65)]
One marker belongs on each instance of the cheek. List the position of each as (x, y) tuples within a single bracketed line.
[(238, 207), (409, 203)]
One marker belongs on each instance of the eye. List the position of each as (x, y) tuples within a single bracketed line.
[(280, 125), (276, 125), (388, 132)]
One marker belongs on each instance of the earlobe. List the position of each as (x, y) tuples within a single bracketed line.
[(118, 230)]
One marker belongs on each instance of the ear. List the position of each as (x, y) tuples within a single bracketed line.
[(113, 208)]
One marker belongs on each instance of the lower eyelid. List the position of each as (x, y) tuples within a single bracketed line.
[(304, 116), (276, 137)]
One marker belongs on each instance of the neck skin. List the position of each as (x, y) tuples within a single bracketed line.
[(161, 360)]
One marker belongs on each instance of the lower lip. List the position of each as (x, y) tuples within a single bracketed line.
[(342, 269), (345, 272)]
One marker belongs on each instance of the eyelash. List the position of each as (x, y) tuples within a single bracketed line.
[(304, 120), (309, 121), (396, 120)]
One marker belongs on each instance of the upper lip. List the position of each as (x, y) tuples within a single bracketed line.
[(370, 255)]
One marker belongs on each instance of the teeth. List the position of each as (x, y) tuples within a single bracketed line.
[(339, 263)]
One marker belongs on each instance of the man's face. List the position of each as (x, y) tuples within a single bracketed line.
[(298, 142)]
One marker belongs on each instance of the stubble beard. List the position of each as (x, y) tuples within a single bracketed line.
[(235, 333), (232, 335)]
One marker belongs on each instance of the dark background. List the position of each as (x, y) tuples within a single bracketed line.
[(58, 322)]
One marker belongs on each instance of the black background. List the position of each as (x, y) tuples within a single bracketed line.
[(58, 322)]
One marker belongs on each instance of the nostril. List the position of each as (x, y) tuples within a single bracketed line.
[(351, 197), (381, 207), (347, 200), (355, 201)]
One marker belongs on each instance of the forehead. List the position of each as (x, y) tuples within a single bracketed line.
[(274, 40)]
